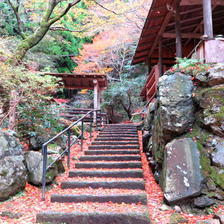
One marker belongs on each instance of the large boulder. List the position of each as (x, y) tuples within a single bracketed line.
[(211, 102), (176, 110), (175, 113), (13, 174), (37, 141), (34, 163), (182, 177)]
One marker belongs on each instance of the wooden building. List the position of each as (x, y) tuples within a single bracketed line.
[(97, 82), (179, 28)]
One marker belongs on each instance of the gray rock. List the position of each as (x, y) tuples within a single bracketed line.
[(177, 208), (209, 221), (176, 110), (11, 215), (34, 163), (211, 185), (9, 146), (164, 207), (181, 170), (216, 76), (212, 113), (218, 155), (13, 174), (203, 202)]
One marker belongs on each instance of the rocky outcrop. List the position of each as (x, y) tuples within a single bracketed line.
[(186, 148), (212, 77), (175, 103), (211, 115), (12, 169), (181, 171), (34, 163), (174, 115)]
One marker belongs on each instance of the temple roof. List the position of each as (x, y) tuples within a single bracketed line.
[(81, 81)]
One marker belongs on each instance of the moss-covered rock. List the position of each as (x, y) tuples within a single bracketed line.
[(211, 102)]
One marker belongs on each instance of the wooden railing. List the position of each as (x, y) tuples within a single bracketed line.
[(73, 114), (150, 89)]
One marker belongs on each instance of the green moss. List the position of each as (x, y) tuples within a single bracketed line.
[(220, 115), (176, 218), (199, 134), (210, 171), (4, 173), (207, 169)]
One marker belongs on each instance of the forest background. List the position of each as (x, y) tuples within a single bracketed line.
[(39, 36)]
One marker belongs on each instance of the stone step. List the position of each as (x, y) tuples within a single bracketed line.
[(92, 218), (105, 184), (120, 129), (114, 143), (98, 147), (101, 135), (115, 165), (110, 152), (102, 173), (110, 158), (116, 139), (119, 198), (118, 132)]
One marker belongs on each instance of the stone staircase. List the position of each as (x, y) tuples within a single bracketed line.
[(115, 155)]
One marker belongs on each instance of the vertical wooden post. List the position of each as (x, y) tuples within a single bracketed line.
[(96, 98), (178, 30), (12, 110), (99, 99), (207, 13), (160, 57)]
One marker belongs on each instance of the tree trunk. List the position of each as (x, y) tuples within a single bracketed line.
[(127, 110), (29, 42)]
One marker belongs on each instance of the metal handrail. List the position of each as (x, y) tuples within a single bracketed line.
[(68, 148)]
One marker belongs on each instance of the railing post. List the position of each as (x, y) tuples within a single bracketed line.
[(44, 153), (96, 119), (101, 119), (82, 129), (91, 124), (69, 148)]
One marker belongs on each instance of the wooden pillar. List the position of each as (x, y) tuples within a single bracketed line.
[(99, 98), (12, 110), (160, 57), (178, 30), (207, 13), (96, 94), (95, 99)]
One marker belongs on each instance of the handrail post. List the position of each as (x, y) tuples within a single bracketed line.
[(69, 148), (44, 153), (82, 129), (101, 119), (96, 119), (91, 124)]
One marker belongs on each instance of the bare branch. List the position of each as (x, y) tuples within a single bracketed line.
[(69, 6), (15, 9), (57, 28), (109, 10)]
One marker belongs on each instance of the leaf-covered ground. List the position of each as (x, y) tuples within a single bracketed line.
[(28, 203)]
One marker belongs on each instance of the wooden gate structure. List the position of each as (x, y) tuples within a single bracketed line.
[(97, 82), (179, 28)]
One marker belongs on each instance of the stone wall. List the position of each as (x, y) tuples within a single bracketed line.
[(186, 145)]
